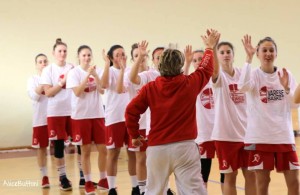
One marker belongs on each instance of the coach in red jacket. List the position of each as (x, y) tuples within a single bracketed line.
[(172, 101)]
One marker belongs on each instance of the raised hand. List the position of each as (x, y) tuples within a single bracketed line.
[(142, 48), (188, 54), (211, 38), (92, 70), (250, 50), (105, 57), (284, 79), (122, 62)]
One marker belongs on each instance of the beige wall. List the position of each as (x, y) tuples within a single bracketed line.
[(29, 27)]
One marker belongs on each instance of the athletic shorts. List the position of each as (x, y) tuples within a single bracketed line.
[(267, 156), (86, 131), (40, 137), (116, 135), (207, 149), (142, 148), (231, 156), (59, 127)]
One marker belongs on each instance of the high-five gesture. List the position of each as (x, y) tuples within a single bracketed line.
[(250, 50), (284, 80), (211, 38)]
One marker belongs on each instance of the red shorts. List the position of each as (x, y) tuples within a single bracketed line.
[(116, 135), (231, 156), (207, 149), (59, 127), (142, 148), (87, 130), (281, 159), (40, 137)]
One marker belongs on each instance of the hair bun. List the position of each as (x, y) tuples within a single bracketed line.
[(58, 40)]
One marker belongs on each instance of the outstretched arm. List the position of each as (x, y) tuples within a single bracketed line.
[(297, 95), (188, 54), (245, 82), (104, 81), (142, 52)]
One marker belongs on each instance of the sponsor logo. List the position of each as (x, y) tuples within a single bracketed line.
[(268, 94), (77, 138), (52, 133), (225, 164), (207, 99), (256, 158), (35, 141), (236, 96), (91, 85)]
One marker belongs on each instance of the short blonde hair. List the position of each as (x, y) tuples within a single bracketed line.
[(171, 62)]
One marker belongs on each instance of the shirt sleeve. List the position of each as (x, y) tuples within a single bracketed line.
[(246, 83), (46, 77), (133, 112), (72, 80)]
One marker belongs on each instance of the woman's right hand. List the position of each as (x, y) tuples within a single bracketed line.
[(250, 50), (211, 38)]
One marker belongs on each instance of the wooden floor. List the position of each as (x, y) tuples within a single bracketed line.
[(19, 174)]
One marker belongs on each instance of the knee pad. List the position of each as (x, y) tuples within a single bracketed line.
[(59, 148), (222, 177), (205, 168), (78, 150)]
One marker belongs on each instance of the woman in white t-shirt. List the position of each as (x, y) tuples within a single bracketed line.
[(205, 115), (88, 115), (269, 136), (39, 120), (116, 131), (54, 79), (230, 121)]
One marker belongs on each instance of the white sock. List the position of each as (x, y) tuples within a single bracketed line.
[(111, 181), (61, 170), (103, 175), (134, 181), (44, 171), (88, 177), (142, 185)]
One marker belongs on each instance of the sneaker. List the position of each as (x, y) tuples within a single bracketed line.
[(112, 191), (65, 184), (89, 188), (103, 184), (45, 182), (170, 192), (82, 183), (135, 191)]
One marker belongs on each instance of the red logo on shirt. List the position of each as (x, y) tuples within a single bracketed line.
[(91, 85), (61, 77), (268, 94), (236, 96), (207, 99)]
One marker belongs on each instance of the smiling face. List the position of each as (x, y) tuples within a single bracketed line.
[(85, 57), (118, 57), (267, 53)]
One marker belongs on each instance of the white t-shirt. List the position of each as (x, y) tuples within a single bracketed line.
[(89, 105), (60, 104), (133, 90), (146, 77), (269, 107), (39, 102), (115, 103), (205, 114), (230, 108)]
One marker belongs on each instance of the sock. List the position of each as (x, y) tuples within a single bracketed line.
[(62, 172), (80, 170), (44, 171), (88, 177), (111, 181), (142, 185), (103, 175), (134, 181)]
